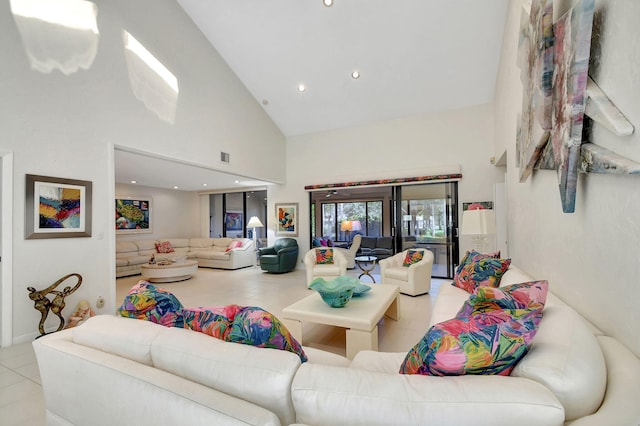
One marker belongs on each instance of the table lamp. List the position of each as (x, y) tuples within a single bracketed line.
[(478, 223)]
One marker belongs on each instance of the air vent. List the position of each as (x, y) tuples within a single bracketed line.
[(224, 157)]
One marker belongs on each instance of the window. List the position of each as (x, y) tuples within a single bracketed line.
[(342, 221)]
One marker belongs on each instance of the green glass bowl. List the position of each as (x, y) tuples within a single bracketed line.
[(337, 292)]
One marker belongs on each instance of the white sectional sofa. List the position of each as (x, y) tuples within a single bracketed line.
[(208, 252), (114, 370)]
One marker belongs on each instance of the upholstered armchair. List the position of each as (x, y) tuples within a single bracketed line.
[(415, 279), (281, 257), (350, 253), (315, 269)]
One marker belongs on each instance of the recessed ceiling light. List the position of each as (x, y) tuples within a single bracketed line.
[(301, 88), (355, 75), (327, 3), (204, 184), (236, 181), (134, 181), (175, 187)]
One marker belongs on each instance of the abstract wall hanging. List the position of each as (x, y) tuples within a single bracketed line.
[(57, 207), (573, 95)]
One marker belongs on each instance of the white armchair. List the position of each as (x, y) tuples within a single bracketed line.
[(415, 279), (350, 253), (326, 271)]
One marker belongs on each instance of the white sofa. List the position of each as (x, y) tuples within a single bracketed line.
[(208, 252), (115, 370)]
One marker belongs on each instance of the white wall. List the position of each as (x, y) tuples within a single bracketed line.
[(66, 126), (451, 141), (173, 213), (590, 257)]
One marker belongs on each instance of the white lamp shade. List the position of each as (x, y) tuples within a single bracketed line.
[(254, 222), (478, 222)]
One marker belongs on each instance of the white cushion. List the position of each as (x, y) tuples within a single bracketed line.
[(126, 337), (565, 357), (328, 395), (125, 248), (326, 270), (381, 362), (200, 242), (401, 273), (620, 405), (259, 375)]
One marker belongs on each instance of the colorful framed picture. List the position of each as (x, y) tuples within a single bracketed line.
[(233, 221), (57, 208), (133, 215), (287, 219)]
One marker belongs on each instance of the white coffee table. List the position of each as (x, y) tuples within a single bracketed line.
[(169, 273), (360, 317)]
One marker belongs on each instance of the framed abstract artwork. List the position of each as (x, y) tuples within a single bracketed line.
[(133, 215), (233, 221), (57, 207), (287, 219)]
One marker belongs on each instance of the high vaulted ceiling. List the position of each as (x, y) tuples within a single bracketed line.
[(413, 56)]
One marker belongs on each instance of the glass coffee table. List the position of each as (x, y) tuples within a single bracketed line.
[(363, 263)]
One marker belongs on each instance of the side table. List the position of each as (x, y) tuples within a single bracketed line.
[(363, 262)]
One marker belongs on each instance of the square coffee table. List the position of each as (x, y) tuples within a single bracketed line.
[(360, 316)]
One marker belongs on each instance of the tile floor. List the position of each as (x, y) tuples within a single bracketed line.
[(21, 399)]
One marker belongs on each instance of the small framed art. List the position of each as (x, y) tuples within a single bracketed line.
[(287, 219), (133, 215)]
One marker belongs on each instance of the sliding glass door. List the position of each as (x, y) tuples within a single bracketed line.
[(425, 216)]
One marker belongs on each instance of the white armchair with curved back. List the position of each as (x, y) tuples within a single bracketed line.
[(324, 270), (350, 253), (415, 279)]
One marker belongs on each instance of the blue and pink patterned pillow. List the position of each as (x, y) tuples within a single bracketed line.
[(485, 343), (146, 301), (248, 325), (212, 320), (257, 327), (477, 270), (529, 295), (489, 335)]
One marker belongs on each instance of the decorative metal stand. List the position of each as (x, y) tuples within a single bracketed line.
[(42, 303)]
